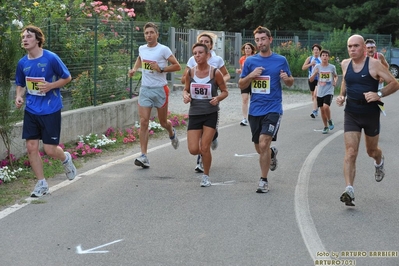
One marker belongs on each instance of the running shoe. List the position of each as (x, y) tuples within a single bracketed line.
[(41, 189), (348, 197), (205, 181), (174, 140), (214, 144), (142, 161), (69, 167), (325, 130), (199, 168), (314, 114), (244, 122), (273, 161), (263, 186), (379, 171), (330, 124)]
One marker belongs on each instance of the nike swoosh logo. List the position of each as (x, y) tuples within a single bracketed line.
[(363, 76)]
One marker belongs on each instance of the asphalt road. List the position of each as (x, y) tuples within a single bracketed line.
[(161, 215)]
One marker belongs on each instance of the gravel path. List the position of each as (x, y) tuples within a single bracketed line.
[(230, 108)]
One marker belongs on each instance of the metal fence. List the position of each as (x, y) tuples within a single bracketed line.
[(99, 53)]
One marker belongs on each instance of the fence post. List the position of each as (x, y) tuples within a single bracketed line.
[(237, 54), (130, 31), (172, 44), (95, 59), (192, 38)]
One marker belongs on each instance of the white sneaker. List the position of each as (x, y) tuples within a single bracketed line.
[(263, 186), (379, 171), (199, 168), (69, 167), (348, 197), (142, 161), (41, 189), (205, 181)]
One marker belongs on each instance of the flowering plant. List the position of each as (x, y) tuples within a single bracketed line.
[(86, 146), (7, 175), (94, 140), (105, 11)]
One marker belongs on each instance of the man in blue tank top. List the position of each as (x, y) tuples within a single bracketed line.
[(359, 86)]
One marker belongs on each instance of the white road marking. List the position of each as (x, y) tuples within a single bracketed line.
[(93, 250), (4, 213), (226, 183), (245, 155), (304, 218)]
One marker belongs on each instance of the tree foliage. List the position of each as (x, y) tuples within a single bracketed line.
[(371, 16)]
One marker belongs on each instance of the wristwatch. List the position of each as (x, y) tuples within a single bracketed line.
[(161, 68), (379, 93)]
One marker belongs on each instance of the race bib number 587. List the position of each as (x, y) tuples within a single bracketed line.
[(201, 91)]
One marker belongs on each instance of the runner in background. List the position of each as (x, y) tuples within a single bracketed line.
[(309, 64), (247, 50), (372, 52)]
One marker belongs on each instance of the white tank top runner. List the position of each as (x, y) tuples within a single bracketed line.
[(201, 89)]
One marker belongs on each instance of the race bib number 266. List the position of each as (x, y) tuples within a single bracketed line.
[(261, 85)]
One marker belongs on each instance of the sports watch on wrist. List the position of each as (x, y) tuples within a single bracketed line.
[(379, 93), (161, 68)]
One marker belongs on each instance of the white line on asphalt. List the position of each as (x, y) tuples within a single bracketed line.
[(304, 218), (245, 155), (226, 183), (16, 207)]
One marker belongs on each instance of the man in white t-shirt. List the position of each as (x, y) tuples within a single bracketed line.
[(154, 60)]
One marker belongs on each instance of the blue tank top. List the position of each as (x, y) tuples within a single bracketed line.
[(310, 69), (356, 85)]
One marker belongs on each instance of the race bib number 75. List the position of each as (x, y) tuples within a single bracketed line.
[(31, 86)]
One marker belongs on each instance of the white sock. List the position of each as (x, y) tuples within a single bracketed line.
[(382, 161)]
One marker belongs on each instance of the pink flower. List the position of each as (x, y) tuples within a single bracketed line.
[(89, 15), (103, 8)]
